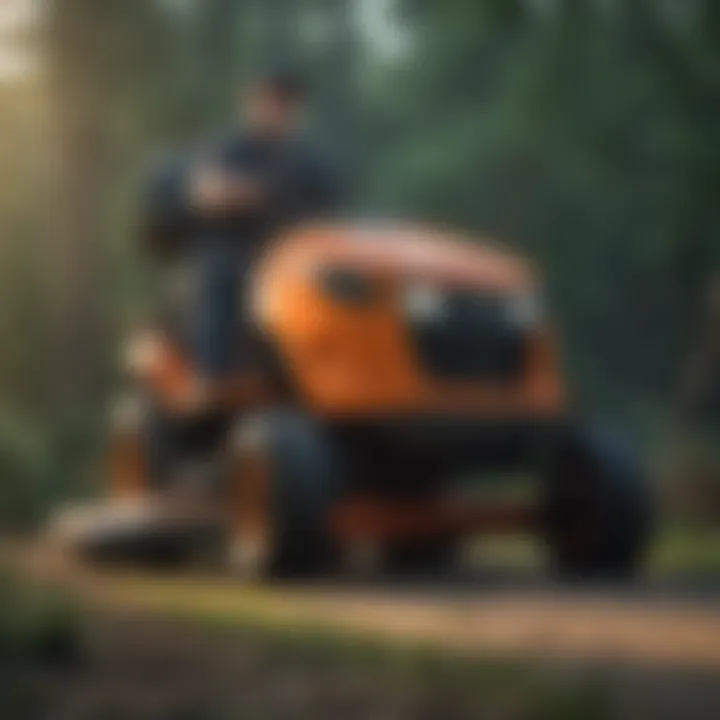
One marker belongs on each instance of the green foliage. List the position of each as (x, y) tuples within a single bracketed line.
[(587, 134), (26, 468)]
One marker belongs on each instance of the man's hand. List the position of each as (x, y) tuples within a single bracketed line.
[(216, 192)]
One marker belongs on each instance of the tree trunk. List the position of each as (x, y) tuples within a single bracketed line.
[(80, 173)]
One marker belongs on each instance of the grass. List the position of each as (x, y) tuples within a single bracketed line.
[(41, 626), (681, 551), (40, 632), (37, 623), (687, 551)]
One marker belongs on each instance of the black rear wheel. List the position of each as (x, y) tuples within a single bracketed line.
[(151, 453), (595, 514), (178, 448)]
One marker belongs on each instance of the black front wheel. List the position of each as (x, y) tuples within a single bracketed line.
[(284, 477), (596, 511)]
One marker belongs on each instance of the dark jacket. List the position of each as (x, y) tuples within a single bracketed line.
[(301, 183)]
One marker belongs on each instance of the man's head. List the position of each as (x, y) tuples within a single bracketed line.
[(274, 103)]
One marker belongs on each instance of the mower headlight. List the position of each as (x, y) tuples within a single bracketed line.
[(347, 286), (524, 310), (423, 302)]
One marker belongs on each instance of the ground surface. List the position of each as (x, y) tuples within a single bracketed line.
[(496, 640), (140, 667), (666, 621)]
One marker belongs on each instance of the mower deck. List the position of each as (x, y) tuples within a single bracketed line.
[(158, 528), (134, 529)]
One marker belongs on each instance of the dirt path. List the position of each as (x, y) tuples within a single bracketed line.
[(532, 622)]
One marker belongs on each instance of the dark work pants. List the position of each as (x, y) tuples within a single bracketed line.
[(220, 299)]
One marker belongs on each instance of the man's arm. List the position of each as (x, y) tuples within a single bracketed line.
[(182, 194), (213, 192), (167, 216), (216, 188)]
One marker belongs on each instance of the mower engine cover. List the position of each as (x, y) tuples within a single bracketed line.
[(377, 321)]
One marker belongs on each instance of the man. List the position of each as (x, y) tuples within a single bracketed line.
[(224, 205)]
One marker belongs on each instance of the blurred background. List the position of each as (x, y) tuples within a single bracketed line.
[(584, 132)]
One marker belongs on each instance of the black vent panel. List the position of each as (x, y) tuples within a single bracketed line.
[(470, 337)]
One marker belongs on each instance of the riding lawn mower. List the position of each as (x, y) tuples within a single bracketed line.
[(389, 369)]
